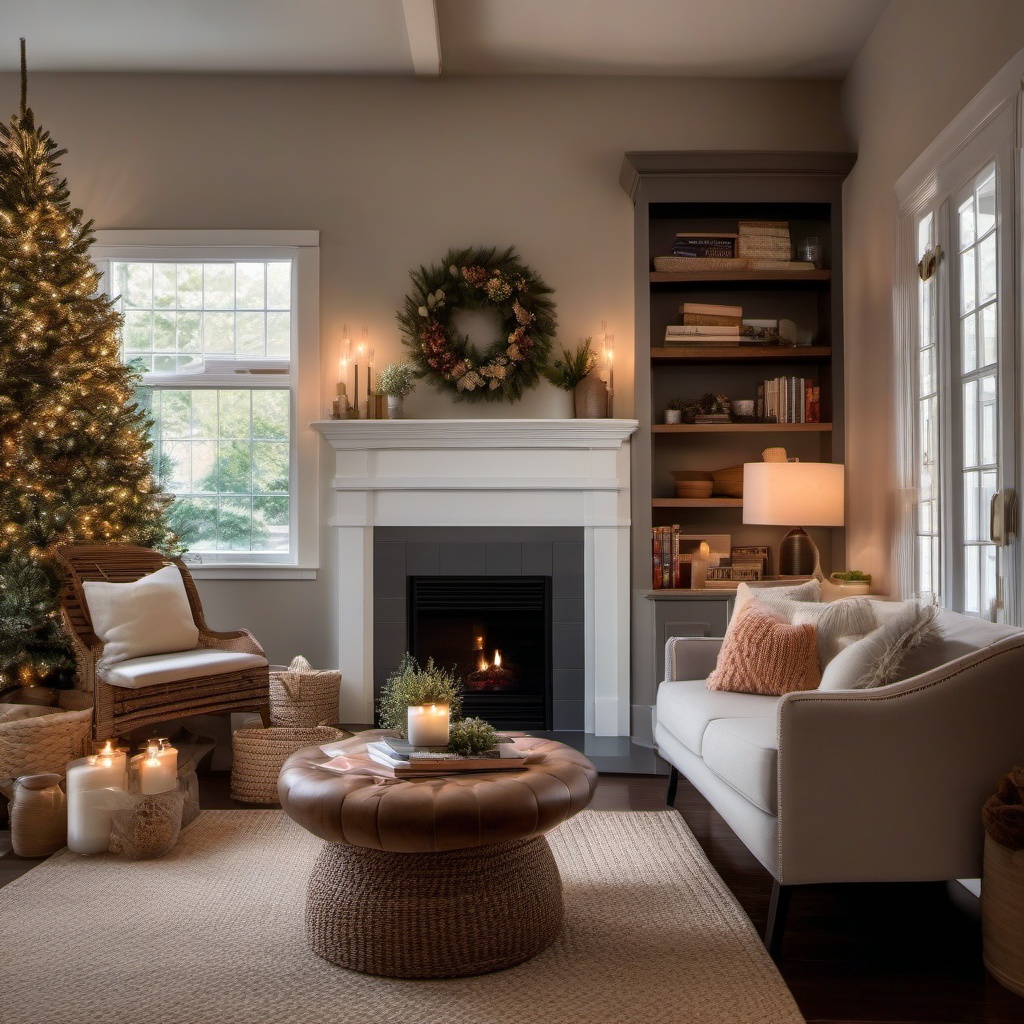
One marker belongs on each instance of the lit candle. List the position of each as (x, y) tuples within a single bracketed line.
[(699, 567), (157, 773), (609, 358), (114, 761), (92, 801), (428, 725)]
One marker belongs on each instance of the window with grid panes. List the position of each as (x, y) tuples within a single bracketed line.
[(214, 335)]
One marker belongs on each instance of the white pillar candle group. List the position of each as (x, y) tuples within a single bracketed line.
[(428, 725)]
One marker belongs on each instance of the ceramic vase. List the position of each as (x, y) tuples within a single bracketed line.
[(39, 816), (590, 398)]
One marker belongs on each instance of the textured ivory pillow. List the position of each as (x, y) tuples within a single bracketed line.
[(150, 616), (769, 597), (763, 654), (878, 658), (839, 623)]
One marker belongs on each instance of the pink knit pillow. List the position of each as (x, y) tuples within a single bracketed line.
[(765, 654)]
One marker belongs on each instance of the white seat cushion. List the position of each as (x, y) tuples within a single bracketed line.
[(744, 752), (686, 708), (171, 668)]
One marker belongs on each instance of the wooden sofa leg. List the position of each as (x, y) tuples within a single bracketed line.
[(778, 908), (673, 782)]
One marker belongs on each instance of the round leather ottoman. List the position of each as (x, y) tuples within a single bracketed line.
[(434, 878)]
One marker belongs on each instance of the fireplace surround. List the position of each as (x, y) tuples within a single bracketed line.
[(492, 474)]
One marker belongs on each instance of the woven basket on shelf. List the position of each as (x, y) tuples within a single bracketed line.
[(38, 740), (258, 754), (303, 697)]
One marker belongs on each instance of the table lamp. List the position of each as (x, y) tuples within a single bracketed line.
[(787, 493)]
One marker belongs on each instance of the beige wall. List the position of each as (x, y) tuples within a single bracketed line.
[(393, 172), (924, 62)]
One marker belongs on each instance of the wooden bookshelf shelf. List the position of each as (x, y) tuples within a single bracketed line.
[(739, 428), (719, 276), (743, 354), (696, 502)]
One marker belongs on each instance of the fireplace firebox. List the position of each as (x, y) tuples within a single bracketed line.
[(495, 631)]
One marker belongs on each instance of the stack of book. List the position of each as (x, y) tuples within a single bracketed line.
[(706, 324), (406, 760), (673, 554), (788, 400), (704, 244), (765, 240)]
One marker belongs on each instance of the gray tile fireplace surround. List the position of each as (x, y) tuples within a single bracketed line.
[(400, 552), (403, 551)]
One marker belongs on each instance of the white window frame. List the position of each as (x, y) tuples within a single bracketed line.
[(990, 124), (304, 369)]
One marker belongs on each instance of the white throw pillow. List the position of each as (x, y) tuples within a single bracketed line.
[(771, 596), (882, 657), (150, 616), (839, 623)]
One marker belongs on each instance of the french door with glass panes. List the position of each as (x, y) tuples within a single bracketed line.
[(966, 451)]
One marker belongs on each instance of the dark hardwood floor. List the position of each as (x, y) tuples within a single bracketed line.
[(886, 954)]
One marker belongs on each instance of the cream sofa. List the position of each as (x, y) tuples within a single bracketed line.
[(882, 784)]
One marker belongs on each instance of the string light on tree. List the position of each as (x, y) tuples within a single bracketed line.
[(74, 461)]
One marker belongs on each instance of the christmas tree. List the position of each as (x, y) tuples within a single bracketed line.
[(74, 444)]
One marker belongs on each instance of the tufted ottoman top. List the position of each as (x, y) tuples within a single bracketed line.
[(451, 812)]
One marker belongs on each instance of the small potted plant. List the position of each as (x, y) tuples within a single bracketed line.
[(396, 381), (674, 410), (472, 736), (573, 371), (852, 582), (420, 702)]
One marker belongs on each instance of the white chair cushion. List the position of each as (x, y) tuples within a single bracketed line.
[(171, 668), (745, 753), (150, 616), (686, 709)]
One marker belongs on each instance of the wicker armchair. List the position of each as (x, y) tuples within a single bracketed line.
[(120, 709)]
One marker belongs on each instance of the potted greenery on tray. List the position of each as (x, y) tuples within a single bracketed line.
[(413, 686)]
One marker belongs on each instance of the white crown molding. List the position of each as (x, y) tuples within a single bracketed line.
[(364, 435)]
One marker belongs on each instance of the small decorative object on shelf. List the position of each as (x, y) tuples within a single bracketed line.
[(852, 583), (395, 382), (472, 279), (674, 410), (412, 686)]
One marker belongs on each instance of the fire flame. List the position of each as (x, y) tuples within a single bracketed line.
[(497, 659)]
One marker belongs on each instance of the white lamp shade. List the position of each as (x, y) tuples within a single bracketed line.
[(793, 493)]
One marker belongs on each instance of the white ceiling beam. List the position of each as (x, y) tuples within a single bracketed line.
[(424, 38)]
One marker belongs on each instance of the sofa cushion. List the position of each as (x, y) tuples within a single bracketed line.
[(171, 668), (686, 708), (745, 753), (765, 654), (149, 616)]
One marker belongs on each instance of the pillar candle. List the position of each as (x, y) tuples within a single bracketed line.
[(91, 804), (428, 725), (113, 760), (156, 774)]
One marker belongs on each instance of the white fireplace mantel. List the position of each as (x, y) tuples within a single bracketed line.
[(493, 472)]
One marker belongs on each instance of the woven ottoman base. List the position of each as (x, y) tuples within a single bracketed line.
[(434, 915)]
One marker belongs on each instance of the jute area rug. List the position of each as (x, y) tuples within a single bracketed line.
[(213, 934)]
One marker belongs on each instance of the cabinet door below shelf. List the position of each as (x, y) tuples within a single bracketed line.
[(701, 617)]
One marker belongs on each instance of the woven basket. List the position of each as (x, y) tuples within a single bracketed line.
[(35, 740), (302, 697), (74, 700), (258, 755), (1002, 914)]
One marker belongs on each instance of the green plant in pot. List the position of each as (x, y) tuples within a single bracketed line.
[(472, 736), (572, 371), (396, 381), (852, 581), (412, 685)]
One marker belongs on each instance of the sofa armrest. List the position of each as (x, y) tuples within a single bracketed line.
[(887, 784), (691, 657)]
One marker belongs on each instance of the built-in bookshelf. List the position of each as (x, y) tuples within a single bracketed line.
[(687, 195)]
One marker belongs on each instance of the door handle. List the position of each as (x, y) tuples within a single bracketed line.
[(1002, 516)]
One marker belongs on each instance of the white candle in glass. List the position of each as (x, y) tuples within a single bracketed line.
[(156, 775), (91, 804), (428, 725), (114, 761)]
